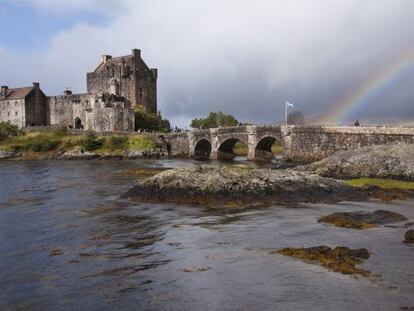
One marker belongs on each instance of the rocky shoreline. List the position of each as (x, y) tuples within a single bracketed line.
[(80, 154), (394, 162)]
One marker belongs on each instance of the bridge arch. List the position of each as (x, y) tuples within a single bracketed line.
[(263, 150), (202, 149), (225, 150)]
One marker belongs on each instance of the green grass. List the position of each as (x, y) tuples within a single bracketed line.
[(382, 183), (141, 143), (58, 140)]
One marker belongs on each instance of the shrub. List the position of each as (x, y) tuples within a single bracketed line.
[(91, 142), (16, 148), (7, 130), (116, 142)]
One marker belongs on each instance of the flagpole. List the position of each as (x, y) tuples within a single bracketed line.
[(286, 114)]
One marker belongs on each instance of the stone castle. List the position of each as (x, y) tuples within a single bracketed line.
[(114, 89)]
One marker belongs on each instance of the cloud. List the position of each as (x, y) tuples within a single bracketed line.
[(241, 57), (70, 6)]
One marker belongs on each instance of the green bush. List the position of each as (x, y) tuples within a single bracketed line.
[(7, 130), (43, 145), (116, 142), (91, 142), (17, 148)]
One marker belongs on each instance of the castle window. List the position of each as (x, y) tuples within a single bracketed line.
[(16, 113), (15, 103), (140, 92), (8, 114)]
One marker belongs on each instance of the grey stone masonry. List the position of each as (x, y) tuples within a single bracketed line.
[(127, 76), (300, 143)]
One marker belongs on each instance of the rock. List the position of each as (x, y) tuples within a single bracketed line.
[(362, 220), (8, 154), (56, 252), (360, 253), (206, 184), (77, 154), (339, 259), (395, 161), (409, 236), (134, 154), (195, 269)]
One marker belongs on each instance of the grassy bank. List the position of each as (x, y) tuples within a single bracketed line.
[(382, 183), (60, 141)]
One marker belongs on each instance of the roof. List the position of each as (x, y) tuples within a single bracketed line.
[(18, 93), (113, 61)]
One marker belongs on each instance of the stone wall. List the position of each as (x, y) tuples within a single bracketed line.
[(36, 108), (13, 111), (100, 113), (312, 143)]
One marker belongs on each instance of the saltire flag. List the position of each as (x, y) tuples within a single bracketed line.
[(289, 105)]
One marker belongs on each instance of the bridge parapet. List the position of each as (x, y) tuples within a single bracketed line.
[(313, 143), (301, 143)]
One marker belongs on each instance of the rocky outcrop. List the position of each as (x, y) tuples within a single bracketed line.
[(80, 154), (77, 154), (339, 259), (409, 237), (396, 161), (8, 154), (362, 220), (206, 184)]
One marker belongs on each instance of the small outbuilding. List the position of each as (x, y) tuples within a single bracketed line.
[(25, 106)]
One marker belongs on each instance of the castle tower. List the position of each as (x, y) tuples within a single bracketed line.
[(127, 76)]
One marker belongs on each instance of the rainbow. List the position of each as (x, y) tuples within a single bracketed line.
[(359, 98)]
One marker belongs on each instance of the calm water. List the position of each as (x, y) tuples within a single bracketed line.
[(67, 242)]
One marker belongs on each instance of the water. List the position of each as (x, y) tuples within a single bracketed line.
[(67, 242)]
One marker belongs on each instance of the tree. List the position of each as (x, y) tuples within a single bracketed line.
[(150, 121), (213, 120), (295, 118)]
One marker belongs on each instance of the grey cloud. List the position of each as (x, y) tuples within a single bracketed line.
[(241, 57)]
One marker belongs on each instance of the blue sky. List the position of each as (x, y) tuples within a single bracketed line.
[(24, 28)]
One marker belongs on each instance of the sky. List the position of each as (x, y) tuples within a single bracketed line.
[(245, 57)]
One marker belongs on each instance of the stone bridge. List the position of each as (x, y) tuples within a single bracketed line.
[(300, 143)]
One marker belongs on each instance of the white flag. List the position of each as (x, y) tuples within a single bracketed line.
[(289, 105)]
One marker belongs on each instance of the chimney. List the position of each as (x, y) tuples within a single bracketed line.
[(4, 90), (36, 85), (105, 58), (67, 91), (154, 73), (136, 53)]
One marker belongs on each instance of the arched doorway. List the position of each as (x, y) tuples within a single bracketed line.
[(268, 149), (78, 124), (202, 150)]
